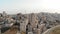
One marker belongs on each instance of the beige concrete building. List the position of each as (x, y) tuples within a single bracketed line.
[(23, 22), (33, 19)]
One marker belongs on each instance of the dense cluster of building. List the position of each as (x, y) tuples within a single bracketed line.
[(24, 23)]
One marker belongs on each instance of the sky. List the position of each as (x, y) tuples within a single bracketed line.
[(29, 6)]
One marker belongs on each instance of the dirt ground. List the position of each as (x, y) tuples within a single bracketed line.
[(13, 30)]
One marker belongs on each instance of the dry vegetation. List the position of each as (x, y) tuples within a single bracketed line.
[(56, 31), (13, 30)]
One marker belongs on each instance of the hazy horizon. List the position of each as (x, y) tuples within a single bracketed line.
[(29, 6)]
